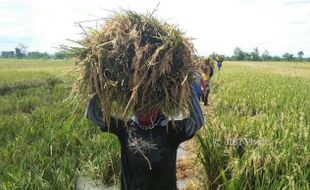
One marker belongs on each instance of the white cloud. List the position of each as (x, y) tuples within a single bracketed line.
[(278, 26)]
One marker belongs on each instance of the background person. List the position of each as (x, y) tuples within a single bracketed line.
[(207, 73), (219, 61)]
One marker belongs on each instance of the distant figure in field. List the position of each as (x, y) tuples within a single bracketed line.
[(197, 83), (219, 65), (219, 61), (207, 72)]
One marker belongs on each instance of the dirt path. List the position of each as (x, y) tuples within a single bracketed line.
[(187, 166), (87, 183), (190, 173)]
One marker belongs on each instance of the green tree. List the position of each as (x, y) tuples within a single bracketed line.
[(288, 56), (18, 53), (266, 56), (255, 54), (63, 54), (276, 58), (239, 54), (247, 56), (38, 55), (7, 54), (300, 54)]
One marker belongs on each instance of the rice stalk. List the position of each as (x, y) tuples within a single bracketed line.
[(135, 62)]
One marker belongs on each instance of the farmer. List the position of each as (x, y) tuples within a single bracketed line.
[(219, 61), (149, 144), (197, 83), (219, 64), (207, 73)]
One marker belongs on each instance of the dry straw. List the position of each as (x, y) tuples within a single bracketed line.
[(135, 62)]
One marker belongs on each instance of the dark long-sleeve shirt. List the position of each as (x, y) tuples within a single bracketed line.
[(148, 156)]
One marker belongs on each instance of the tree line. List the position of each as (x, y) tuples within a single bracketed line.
[(21, 53), (238, 55), (255, 55)]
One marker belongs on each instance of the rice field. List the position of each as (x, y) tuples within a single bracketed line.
[(257, 131), (45, 142), (256, 135)]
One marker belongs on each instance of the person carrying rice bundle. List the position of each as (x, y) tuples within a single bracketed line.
[(207, 72), (219, 61), (197, 83), (136, 75)]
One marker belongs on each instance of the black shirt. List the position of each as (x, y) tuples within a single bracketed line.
[(148, 156)]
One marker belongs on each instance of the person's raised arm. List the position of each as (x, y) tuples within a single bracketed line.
[(195, 110), (95, 114), (186, 128)]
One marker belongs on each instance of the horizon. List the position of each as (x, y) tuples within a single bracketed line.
[(278, 26)]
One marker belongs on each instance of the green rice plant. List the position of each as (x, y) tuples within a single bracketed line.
[(44, 144), (257, 134)]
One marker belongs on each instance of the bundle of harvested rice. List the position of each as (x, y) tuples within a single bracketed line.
[(201, 63), (135, 62), (220, 58)]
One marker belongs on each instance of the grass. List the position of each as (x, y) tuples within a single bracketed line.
[(44, 143), (13, 71), (257, 132), (256, 137)]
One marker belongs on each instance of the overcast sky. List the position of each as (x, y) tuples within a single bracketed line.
[(278, 26)]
